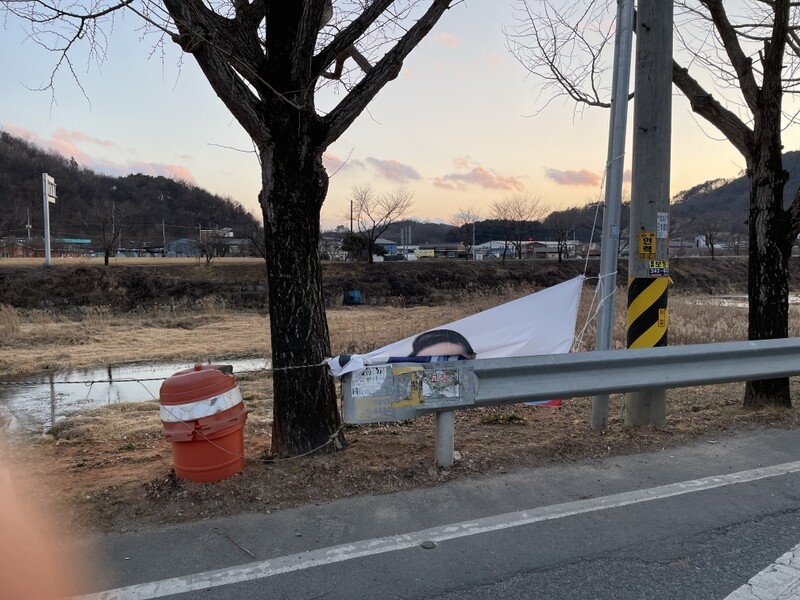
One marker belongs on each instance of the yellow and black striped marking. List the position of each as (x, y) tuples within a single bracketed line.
[(647, 312)]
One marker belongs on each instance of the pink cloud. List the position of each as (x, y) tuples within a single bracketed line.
[(626, 176), (480, 176), (393, 170), (80, 136), (448, 39), (334, 163), (464, 162), (582, 177), (64, 142), (177, 172), (61, 145), (446, 185)]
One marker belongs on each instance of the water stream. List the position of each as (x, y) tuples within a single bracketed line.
[(54, 395)]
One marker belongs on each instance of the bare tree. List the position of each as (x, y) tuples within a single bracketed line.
[(109, 218), (464, 221), (743, 58), (516, 213), (266, 60), (373, 213), (593, 219), (737, 233), (258, 240), (561, 223), (679, 226), (710, 227), (212, 244)]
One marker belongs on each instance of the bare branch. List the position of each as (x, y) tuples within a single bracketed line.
[(704, 104), (340, 118)]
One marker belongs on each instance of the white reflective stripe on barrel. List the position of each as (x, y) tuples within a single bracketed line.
[(203, 408)]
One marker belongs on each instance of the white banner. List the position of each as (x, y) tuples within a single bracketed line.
[(541, 323)]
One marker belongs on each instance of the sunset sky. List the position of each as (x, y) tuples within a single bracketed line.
[(455, 128)]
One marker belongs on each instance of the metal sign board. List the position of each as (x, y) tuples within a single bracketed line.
[(662, 225), (49, 187), (396, 392)]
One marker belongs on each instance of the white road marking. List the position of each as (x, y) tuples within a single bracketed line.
[(335, 554), (779, 581)]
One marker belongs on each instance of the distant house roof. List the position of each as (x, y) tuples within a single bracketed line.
[(443, 246), (384, 242)]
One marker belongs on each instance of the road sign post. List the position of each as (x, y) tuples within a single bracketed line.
[(48, 197)]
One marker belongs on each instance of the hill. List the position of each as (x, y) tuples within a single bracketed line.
[(725, 198), (147, 209)]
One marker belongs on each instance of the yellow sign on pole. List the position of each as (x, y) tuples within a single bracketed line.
[(647, 245)]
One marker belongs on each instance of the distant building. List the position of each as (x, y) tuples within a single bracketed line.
[(389, 246), (442, 250), (18, 249), (330, 247), (183, 247)]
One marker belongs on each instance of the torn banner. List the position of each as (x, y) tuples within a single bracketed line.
[(541, 323)]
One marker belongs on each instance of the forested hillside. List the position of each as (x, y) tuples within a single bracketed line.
[(145, 208)]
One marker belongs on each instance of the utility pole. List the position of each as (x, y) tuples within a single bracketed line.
[(615, 166), (473, 240), (648, 262)]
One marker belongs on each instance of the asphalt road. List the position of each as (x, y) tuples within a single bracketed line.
[(695, 522)]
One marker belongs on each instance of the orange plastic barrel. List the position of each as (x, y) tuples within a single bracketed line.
[(203, 417)]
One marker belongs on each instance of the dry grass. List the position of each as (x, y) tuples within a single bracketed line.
[(10, 323), (111, 468), (36, 340)]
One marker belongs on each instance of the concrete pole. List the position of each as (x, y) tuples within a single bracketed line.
[(648, 266), (615, 166)]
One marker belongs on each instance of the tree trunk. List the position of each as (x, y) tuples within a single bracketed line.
[(768, 274), (305, 412)]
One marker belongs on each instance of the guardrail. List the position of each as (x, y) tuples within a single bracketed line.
[(399, 391)]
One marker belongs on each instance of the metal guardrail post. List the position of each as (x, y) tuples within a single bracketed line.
[(445, 437)]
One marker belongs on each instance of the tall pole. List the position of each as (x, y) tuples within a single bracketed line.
[(473, 240), (48, 197), (615, 166), (648, 266)]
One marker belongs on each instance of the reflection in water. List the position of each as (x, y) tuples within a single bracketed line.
[(52, 396)]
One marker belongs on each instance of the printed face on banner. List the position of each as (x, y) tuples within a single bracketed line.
[(541, 323)]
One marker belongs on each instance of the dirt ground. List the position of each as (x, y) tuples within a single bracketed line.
[(110, 469)]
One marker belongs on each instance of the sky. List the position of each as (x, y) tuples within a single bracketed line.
[(458, 128)]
